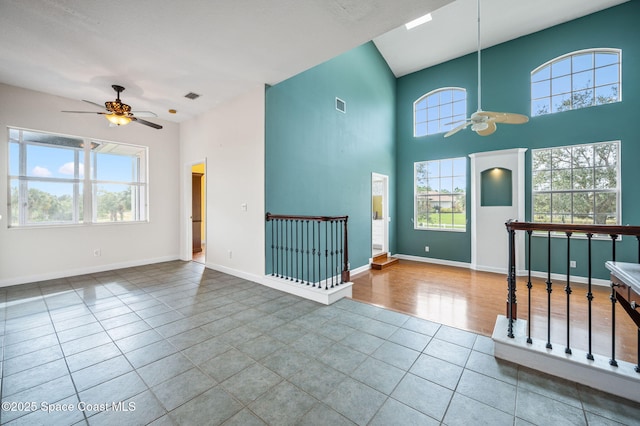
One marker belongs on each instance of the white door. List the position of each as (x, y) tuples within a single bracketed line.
[(379, 214), (489, 239)]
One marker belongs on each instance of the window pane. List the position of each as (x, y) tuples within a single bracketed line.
[(115, 203), (542, 204), (14, 200), (542, 180), (446, 111), (117, 168), (446, 185), (607, 94), (582, 99), (603, 59), (541, 89), (49, 202), (460, 167), (561, 103), (583, 178), (421, 115), (605, 203), (606, 154), (421, 104), (582, 62), (432, 127), (606, 75), (433, 100), (446, 96), (542, 159), (583, 156), (561, 158), (560, 203), (446, 168), (583, 206), (582, 80), (446, 219), (605, 178), (459, 108), (561, 85), (561, 180), (421, 129), (45, 162), (433, 184), (459, 95), (14, 159), (541, 74), (432, 113), (540, 107), (560, 68)]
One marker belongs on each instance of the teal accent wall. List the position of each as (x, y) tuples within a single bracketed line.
[(319, 160), (505, 87)]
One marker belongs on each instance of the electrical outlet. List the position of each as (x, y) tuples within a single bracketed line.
[(572, 263), (426, 249), (230, 254), (97, 252)]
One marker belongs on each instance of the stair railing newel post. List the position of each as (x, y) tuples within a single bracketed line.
[(511, 281), (567, 290), (589, 293), (613, 361), (529, 286), (345, 261)]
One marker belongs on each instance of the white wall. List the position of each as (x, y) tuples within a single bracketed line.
[(231, 140), (34, 254)]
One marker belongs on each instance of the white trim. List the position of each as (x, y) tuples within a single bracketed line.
[(83, 271), (186, 251), (562, 278), (621, 381), (316, 294), (433, 260), (363, 268)]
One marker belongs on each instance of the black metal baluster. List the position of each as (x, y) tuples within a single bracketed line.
[(286, 249), (589, 293), (272, 253), (567, 290), (281, 264), (613, 361), (326, 256), (297, 271), (307, 222), (529, 286), (340, 225), (319, 255), (549, 290), (332, 254), (313, 257)]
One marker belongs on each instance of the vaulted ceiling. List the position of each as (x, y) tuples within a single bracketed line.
[(160, 50)]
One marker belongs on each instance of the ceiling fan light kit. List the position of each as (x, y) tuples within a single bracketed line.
[(484, 122), (117, 112)]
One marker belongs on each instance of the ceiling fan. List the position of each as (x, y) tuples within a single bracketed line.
[(119, 113), (484, 122)]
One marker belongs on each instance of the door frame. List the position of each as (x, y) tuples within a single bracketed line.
[(187, 242), (385, 210)]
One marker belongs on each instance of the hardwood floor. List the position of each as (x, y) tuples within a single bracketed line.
[(471, 300)]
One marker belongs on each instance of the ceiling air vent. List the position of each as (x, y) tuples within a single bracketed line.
[(192, 96), (341, 105)]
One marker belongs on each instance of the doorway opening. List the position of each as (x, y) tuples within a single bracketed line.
[(379, 214), (198, 213)]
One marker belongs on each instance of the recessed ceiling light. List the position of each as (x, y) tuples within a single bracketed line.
[(419, 21), (172, 111)]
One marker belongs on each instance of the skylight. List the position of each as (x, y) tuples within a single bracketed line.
[(419, 21)]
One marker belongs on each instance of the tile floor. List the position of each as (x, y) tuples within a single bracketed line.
[(175, 343)]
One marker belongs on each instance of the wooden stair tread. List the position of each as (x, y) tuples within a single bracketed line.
[(381, 261)]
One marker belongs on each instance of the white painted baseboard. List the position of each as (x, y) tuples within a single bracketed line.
[(85, 270), (433, 260)]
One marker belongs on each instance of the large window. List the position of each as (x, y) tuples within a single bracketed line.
[(438, 111), (57, 180), (577, 80), (440, 194), (577, 184)]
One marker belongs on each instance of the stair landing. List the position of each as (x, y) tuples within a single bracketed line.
[(381, 261)]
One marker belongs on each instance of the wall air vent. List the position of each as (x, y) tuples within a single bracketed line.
[(341, 105), (192, 96)]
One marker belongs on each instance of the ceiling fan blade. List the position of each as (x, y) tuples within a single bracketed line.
[(85, 112), (489, 130), (146, 123), (93, 103), (144, 114), (505, 117), (457, 129)]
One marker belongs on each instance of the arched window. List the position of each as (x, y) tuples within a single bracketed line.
[(439, 110), (577, 80)]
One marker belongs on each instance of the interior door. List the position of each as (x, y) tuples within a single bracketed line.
[(196, 211), (379, 214)]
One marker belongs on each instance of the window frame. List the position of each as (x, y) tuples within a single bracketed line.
[(593, 87), (462, 195), (442, 128), (84, 210), (617, 190)]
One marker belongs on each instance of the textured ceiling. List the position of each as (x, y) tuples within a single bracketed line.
[(160, 50)]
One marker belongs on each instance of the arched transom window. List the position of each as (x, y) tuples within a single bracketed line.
[(577, 80), (439, 110)]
